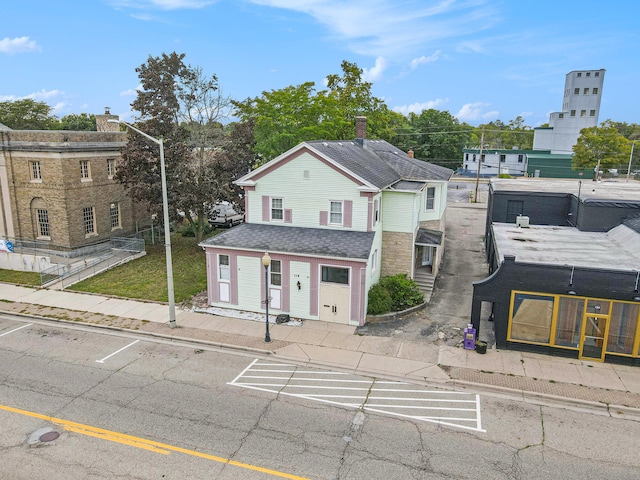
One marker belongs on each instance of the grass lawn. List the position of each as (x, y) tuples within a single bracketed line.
[(20, 278), (146, 277)]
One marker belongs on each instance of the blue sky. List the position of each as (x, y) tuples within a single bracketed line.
[(481, 60)]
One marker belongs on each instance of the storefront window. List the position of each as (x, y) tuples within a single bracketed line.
[(622, 330), (599, 307), (531, 319), (569, 322)]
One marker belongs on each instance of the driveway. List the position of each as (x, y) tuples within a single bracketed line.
[(442, 321)]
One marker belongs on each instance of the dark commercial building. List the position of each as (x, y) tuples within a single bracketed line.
[(564, 264)]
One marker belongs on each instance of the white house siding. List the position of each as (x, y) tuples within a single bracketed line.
[(440, 202), (398, 212), (307, 194)]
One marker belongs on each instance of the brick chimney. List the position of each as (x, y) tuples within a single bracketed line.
[(361, 130), (410, 153), (103, 126)]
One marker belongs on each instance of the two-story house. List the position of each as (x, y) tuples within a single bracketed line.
[(333, 216)]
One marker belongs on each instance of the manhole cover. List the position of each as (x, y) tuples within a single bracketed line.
[(49, 436)]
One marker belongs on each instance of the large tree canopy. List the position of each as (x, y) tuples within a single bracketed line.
[(181, 105), (601, 146), (28, 114), (283, 118)]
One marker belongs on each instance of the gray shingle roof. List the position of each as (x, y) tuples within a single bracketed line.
[(295, 240), (379, 163), (428, 237)]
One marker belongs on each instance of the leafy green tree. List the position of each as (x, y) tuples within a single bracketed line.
[(434, 136), (283, 118), (81, 122), (27, 114), (601, 147)]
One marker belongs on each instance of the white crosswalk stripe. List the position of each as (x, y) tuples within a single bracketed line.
[(444, 407)]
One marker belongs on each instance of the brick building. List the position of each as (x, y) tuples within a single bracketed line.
[(57, 187)]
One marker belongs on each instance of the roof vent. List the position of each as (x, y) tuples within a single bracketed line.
[(522, 221)]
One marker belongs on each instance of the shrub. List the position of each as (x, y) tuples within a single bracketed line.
[(379, 300), (401, 291)]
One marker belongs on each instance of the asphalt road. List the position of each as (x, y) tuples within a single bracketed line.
[(127, 407)]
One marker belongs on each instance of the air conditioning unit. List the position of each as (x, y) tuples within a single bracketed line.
[(522, 221)]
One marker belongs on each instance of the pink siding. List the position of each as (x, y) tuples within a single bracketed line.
[(265, 208), (288, 215), (348, 213), (324, 217)]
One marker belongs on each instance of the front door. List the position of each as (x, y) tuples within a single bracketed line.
[(334, 303), (427, 256), (594, 337)]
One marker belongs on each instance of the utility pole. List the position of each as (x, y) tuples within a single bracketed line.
[(630, 158), (475, 199)]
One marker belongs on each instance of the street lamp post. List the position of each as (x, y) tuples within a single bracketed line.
[(167, 229), (266, 261)]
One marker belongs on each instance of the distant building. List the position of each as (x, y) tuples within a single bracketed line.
[(57, 187), (552, 145)]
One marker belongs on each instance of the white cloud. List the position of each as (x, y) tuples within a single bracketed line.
[(59, 107), (389, 28), (45, 94), (419, 107), (163, 4), (132, 92), (422, 60), (375, 73), (18, 45), (474, 111)]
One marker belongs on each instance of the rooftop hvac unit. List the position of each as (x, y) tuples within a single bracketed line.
[(522, 221)]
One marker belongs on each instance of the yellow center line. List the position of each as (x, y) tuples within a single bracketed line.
[(143, 443)]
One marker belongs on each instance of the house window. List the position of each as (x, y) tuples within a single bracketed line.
[(431, 198), (482, 157), (335, 275), (586, 91), (374, 261), (466, 156), (43, 223), (85, 170), (276, 273), (592, 113), (111, 167), (503, 158), (114, 215), (583, 113), (376, 212), (588, 74), (576, 91), (277, 209), (579, 74), (573, 113), (520, 158), (89, 220), (595, 91), (474, 157), (597, 74), (561, 115), (36, 174), (531, 318), (223, 267), (335, 213)]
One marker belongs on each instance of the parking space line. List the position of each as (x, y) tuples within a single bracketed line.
[(444, 407), (116, 352), (16, 329)]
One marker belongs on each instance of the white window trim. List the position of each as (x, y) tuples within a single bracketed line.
[(271, 272), (32, 165), (271, 199), (95, 229), (426, 199), (374, 261), (109, 162), (341, 222), (119, 225), (227, 267), (88, 177)]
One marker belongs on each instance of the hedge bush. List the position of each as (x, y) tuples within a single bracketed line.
[(401, 293)]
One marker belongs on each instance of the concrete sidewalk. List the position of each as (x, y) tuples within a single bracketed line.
[(613, 389)]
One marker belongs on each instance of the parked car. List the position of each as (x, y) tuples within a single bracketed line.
[(224, 215)]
